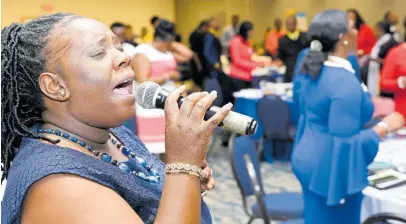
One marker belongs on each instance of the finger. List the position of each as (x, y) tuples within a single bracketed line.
[(171, 104), (205, 164), (208, 173), (189, 102), (203, 105), (214, 121), (209, 185)]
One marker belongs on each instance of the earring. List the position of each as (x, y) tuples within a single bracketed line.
[(345, 42), (62, 93)]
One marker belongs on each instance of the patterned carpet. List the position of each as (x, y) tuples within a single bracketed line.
[(225, 201)]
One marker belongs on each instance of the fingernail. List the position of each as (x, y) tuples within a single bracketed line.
[(214, 92), (206, 93), (210, 186), (228, 106)]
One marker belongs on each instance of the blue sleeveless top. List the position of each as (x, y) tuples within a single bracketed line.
[(36, 160)]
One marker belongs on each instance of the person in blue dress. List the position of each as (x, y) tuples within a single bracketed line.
[(66, 92), (332, 150)]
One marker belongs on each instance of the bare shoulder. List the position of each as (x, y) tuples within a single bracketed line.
[(140, 60), (65, 198), (140, 56)]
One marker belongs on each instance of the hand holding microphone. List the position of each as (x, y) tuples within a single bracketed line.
[(190, 121), (187, 134), (150, 95)]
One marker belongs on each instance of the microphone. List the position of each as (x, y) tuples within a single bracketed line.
[(150, 95)]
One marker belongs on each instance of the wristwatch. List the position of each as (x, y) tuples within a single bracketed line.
[(384, 125)]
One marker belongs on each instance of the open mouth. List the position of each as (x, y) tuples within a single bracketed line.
[(125, 88)]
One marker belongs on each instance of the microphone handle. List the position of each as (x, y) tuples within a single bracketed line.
[(161, 98), (234, 122)]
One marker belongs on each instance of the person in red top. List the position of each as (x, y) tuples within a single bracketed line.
[(240, 55), (393, 77), (366, 37)]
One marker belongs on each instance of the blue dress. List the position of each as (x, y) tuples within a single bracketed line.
[(36, 160), (332, 150)]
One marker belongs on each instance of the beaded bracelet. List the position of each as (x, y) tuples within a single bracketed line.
[(185, 168)]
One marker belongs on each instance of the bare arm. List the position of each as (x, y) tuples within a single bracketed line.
[(181, 52), (142, 68), (71, 199), (67, 199)]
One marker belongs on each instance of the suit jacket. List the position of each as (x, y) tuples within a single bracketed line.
[(288, 52)]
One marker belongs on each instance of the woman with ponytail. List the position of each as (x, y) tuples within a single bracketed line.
[(332, 150)]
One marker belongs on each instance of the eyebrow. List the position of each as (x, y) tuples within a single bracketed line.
[(99, 41)]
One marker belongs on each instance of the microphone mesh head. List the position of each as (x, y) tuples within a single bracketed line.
[(144, 94)]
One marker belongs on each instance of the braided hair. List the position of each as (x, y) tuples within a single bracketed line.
[(22, 61)]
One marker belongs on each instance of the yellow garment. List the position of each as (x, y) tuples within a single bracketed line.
[(214, 32), (293, 35), (147, 38), (290, 12)]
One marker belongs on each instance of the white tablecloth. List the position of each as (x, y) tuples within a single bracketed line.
[(392, 200)]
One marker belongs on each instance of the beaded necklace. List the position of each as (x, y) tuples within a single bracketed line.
[(152, 176)]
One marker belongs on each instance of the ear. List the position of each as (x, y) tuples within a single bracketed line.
[(342, 38), (53, 87)]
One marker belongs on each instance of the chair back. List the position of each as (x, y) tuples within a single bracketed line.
[(243, 148), (383, 218), (213, 84), (274, 115)]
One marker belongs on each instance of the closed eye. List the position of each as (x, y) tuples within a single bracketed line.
[(99, 54)]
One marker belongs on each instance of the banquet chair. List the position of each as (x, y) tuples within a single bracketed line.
[(384, 218), (274, 116), (283, 206)]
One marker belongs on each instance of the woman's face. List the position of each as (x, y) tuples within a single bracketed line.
[(378, 31), (166, 45), (96, 73), (351, 16), (350, 37), (250, 33)]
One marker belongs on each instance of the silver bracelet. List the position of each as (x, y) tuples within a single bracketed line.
[(194, 170), (384, 125)]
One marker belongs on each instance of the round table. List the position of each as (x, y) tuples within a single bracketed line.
[(392, 151)]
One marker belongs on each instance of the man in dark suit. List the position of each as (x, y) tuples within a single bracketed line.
[(290, 45)]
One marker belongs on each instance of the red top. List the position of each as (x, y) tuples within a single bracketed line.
[(366, 39), (241, 62), (394, 67)]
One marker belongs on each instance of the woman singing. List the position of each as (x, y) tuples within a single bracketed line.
[(66, 87), (333, 150)]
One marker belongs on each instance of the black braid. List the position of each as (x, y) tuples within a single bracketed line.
[(22, 61)]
